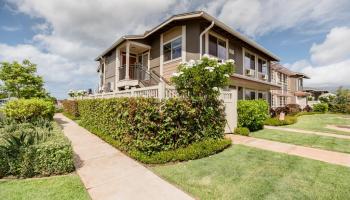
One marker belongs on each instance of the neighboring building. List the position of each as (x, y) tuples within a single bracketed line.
[(145, 60), (291, 83), (315, 92)]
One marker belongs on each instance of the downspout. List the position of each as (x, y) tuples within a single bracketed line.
[(201, 38)]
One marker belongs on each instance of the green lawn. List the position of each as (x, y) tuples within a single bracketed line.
[(247, 173), (66, 187), (319, 122), (308, 140)]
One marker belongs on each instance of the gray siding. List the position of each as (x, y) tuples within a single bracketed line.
[(110, 64)]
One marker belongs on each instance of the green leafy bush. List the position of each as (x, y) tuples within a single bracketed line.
[(70, 109), (242, 131), (29, 109), (193, 151), (150, 125), (28, 150), (252, 114), (274, 121), (320, 107)]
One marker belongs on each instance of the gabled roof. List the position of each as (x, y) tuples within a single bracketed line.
[(278, 67), (190, 15)]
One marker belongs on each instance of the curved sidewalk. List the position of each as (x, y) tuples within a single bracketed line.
[(108, 174), (308, 132), (307, 152)]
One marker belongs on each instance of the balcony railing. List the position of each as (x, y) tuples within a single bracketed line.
[(136, 72)]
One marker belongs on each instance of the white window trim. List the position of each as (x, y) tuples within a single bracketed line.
[(255, 61), (171, 55), (267, 71), (219, 37)]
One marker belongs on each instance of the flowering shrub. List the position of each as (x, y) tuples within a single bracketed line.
[(201, 79), (77, 93)]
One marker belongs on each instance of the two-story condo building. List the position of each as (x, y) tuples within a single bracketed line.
[(291, 83), (144, 60)]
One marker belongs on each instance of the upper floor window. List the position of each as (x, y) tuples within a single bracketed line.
[(172, 49), (249, 61), (262, 66), (217, 47)]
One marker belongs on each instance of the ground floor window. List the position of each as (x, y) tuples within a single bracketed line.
[(249, 94), (282, 101)]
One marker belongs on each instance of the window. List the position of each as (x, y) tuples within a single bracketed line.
[(217, 47), (249, 61), (172, 49), (262, 95), (282, 101), (249, 95), (262, 66)]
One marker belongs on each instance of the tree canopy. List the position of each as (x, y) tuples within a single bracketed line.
[(20, 80)]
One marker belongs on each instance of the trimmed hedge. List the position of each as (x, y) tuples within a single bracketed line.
[(194, 151), (29, 109), (70, 109), (52, 156), (252, 114), (320, 107), (242, 131), (274, 121), (149, 125)]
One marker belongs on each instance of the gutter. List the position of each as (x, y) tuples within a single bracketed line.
[(201, 38)]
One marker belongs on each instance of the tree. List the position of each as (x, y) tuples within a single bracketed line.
[(343, 96), (20, 80)]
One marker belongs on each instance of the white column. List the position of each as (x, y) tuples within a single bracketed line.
[(127, 61), (117, 65), (161, 56), (149, 60), (104, 73), (183, 48), (227, 49)]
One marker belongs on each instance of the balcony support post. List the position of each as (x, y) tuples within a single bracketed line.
[(127, 77)]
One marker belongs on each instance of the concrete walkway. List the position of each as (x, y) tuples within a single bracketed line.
[(308, 132), (337, 128), (108, 174), (307, 152)]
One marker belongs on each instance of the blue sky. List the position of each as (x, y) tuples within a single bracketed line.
[(63, 37)]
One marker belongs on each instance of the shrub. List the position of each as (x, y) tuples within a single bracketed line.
[(29, 109), (193, 151), (274, 121), (151, 125), (30, 150), (307, 108), (293, 109), (70, 109), (320, 107), (242, 131), (252, 114)]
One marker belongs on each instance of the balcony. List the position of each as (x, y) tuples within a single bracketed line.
[(136, 72)]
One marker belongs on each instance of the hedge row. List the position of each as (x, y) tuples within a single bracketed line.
[(70, 109), (288, 120), (149, 126), (52, 156), (29, 109)]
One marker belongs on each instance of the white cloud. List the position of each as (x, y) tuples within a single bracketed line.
[(335, 48), (72, 33), (10, 28), (330, 60), (258, 17), (59, 73)]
